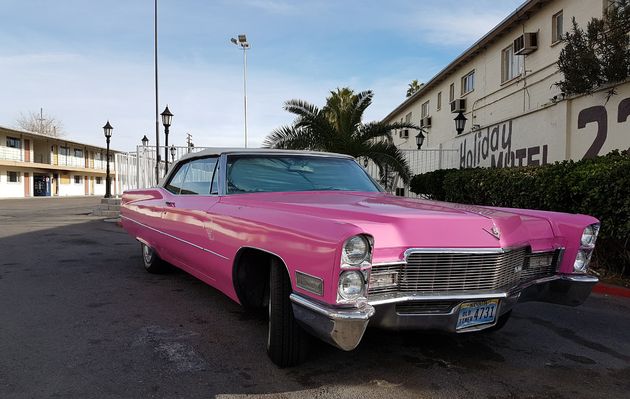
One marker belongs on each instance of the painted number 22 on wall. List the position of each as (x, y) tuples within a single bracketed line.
[(599, 115)]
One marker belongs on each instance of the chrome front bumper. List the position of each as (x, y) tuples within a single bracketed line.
[(340, 327), (344, 327)]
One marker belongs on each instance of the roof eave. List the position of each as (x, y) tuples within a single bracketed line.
[(471, 51)]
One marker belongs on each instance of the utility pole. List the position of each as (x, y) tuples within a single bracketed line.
[(157, 122), (189, 142), (41, 120)]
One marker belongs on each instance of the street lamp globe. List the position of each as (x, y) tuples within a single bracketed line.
[(460, 123), (420, 139), (167, 116), (107, 129)]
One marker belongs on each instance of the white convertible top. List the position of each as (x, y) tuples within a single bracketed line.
[(220, 150)]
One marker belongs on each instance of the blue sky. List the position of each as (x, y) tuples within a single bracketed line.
[(86, 62)]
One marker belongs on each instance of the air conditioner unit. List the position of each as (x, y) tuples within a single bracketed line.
[(425, 122), (458, 105), (404, 134), (526, 43)]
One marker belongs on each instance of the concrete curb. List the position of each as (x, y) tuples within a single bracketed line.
[(612, 290)]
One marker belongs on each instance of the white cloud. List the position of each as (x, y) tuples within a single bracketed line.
[(207, 100), (449, 23)]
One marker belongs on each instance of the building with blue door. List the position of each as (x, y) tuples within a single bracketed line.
[(35, 165)]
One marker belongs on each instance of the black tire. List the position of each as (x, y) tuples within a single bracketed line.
[(287, 342), (151, 261)]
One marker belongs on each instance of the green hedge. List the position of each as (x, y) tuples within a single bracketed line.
[(598, 187)]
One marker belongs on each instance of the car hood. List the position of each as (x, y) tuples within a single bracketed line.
[(398, 222)]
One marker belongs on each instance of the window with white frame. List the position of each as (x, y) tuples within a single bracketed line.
[(408, 118), (78, 153), (425, 109), (439, 101), (451, 93), (65, 151), (78, 179), (13, 177), (12, 142), (557, 27), (511, 64), (468, 82), (99, 180)]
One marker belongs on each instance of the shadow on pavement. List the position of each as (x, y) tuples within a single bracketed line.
[(81, 318)]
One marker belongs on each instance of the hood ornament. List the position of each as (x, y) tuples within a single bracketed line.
[(494, 231)]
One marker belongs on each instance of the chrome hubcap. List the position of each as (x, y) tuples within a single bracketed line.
[(147, 253)]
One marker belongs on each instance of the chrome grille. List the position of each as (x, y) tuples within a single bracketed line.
[(430, 272)]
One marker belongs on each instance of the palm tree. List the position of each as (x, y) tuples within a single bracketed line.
[(337, 127), (414, 86)]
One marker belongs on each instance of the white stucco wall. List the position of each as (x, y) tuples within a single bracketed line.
[(538, 127), (11, 190)]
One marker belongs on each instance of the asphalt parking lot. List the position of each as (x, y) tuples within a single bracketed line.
[(80, 318)]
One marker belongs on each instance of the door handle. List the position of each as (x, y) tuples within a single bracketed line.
[(170, 204)]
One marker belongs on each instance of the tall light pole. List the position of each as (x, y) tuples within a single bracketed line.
[(167, 117), (107, 129), (157, 123), (242, 42)]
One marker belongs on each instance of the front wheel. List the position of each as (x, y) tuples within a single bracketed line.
[(151, 261), (287, 342)]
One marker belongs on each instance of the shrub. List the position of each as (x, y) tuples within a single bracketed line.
[(598, 187)]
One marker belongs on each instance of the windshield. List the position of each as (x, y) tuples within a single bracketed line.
[(282, 173)]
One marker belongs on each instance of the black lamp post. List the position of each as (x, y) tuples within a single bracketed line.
[(173, 152), (167, 117), (420, 139), (145, 141), (460, 123), (108, 134)]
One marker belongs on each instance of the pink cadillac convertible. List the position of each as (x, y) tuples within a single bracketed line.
[(313, 239)]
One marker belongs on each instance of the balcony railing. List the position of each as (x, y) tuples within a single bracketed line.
[(18, 155), (11, 154)]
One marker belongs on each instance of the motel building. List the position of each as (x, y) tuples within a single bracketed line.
[(504, 86), (35, 165)]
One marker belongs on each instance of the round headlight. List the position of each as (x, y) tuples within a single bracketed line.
[(589, 235), (351, 286), (355, 250), (582, 260)]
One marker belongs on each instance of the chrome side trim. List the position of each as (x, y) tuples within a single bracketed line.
[(175, 238)]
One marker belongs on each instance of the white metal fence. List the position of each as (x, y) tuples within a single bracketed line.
[(420, 161), (137, 169)]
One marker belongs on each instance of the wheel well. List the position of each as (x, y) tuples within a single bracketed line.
[(250, 276)]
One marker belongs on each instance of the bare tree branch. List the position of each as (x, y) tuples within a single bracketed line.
[(39, 122)]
